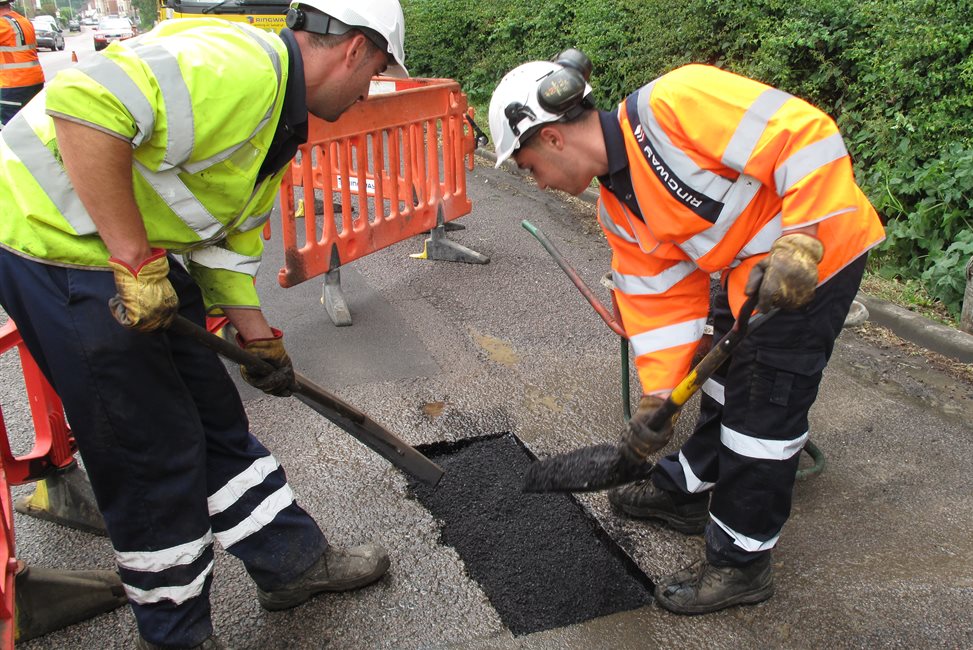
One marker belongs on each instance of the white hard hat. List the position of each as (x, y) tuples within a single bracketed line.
[(537, 93), (383, 17)]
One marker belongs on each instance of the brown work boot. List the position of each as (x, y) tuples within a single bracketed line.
[(702, 588), (209, 644), (338, 569), (686, 513)]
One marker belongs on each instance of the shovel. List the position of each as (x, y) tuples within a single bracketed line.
[(603, 466), (369, 432)]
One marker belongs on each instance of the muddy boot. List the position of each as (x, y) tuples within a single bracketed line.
[(338, 569), (686, 513), (702, 588), (209, 644)]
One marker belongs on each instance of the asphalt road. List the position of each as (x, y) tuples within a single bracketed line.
[(80, 44), (878, 552)]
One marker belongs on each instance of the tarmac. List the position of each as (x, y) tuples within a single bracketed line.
[(877, 552)]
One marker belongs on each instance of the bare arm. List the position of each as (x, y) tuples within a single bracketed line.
[(104, 185), (250, 323)]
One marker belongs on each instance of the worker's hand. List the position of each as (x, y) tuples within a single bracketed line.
[(639, 438), (145, 300), (281, 380), (787, 277)]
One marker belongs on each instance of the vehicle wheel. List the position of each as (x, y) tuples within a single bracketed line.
[(61, 47)]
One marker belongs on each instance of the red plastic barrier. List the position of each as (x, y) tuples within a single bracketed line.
[(396, 163)]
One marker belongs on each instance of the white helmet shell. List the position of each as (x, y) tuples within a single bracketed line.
[(383, 16), (519, 86)]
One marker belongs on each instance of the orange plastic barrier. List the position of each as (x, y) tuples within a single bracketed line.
[(396, 165), (54, 445), (53, 448), (7, 558)]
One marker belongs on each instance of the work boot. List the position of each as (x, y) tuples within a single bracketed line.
[(702, 588), (338, 569), (209, 644), (687, 513)]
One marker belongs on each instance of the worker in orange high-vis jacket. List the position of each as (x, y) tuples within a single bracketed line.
[(21, 75), (703, 172)]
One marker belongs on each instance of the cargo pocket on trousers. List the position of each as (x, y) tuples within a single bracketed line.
[(783, 387)]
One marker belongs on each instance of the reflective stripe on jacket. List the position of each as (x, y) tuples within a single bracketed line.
[(19, 65), (722, 166), (199, 99)]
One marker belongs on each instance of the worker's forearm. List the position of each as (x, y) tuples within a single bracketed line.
[(250, 323), (100, 168)]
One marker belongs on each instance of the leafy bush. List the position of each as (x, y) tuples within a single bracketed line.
[(896, 74)]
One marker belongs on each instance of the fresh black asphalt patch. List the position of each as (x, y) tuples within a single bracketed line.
[(541, 560)]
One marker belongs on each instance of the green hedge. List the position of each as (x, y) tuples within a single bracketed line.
[(896, 74)]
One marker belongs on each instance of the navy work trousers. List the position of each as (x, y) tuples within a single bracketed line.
[(12, 99), (753, 421), (166, 444)]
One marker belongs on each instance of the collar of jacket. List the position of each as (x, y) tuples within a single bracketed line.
[(618, 180), (292, 127)]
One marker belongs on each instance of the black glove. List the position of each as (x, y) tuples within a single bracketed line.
[(278, 382), (641, 441)]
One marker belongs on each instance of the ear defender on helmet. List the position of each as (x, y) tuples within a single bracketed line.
[(295, 18), (563, 91)]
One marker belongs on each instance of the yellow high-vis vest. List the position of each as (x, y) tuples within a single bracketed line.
[(722, 166), (200, 101)]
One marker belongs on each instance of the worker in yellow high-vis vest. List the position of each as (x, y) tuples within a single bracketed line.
[(174, 143), (703, 172), (21, 75)]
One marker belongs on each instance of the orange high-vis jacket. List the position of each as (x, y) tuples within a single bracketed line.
[(722, 166), (19, 64)]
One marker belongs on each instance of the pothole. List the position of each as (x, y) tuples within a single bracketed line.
[(540, 558)]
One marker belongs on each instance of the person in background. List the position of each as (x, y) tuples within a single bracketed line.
[(21, 75)]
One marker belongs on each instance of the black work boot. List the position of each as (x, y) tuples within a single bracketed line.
[(702, 588), (338, 569), (209, 644), (687, 513)]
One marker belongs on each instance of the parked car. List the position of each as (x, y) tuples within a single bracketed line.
[(49, 33), (112, 29), (74, 25)]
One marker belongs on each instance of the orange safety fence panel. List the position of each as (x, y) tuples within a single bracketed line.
[(390, 168)]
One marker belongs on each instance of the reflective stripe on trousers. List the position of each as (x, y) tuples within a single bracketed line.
[(753, 422), (166, 444)]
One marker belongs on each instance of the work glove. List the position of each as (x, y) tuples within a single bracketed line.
[(787, 277), (277, 382), (639, 439), (145, 300)]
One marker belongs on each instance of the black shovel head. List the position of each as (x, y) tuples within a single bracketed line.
[(588, 469)]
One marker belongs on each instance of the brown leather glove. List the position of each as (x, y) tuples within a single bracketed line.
[(145, 300), (787, 277), (281, 380), (640, 440)]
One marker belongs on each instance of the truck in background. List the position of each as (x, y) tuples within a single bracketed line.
[(264, 14)]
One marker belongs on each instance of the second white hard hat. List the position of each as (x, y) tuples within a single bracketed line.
[(534, 94)]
